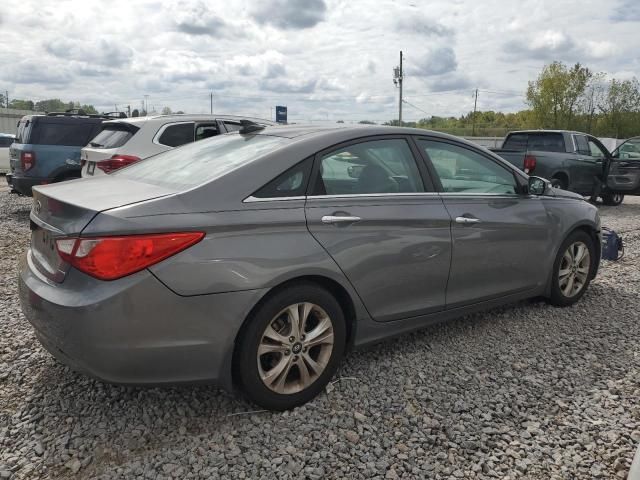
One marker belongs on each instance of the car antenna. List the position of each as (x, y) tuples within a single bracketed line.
[(249, 127)]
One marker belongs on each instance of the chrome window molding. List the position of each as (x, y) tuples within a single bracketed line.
[(252, 199)]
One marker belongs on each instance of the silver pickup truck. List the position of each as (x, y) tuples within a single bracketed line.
[(577, 162)]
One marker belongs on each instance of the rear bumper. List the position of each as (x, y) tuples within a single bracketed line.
[(134, 330), (24, 185)]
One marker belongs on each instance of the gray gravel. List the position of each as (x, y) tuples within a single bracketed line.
[(526, 391)]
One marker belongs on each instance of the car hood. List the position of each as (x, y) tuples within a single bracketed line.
[(557, 192)]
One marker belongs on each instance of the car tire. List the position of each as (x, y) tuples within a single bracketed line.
[(279, 367), (558, 183), (572, 272), (613, 199)]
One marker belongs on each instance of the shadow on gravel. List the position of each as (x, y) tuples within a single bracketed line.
[(20, 215)]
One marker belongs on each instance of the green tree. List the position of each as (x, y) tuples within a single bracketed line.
[(21, 104), (166, 111), (557, 95), (621, 108)]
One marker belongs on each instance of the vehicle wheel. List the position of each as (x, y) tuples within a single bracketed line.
[(573, 269), (613, 199), (558, 183), (291, 347)]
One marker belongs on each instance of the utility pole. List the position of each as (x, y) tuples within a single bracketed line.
[(397, 80), (6, 98), (475, 106), (146, 104), (129, 111), (211, 102)]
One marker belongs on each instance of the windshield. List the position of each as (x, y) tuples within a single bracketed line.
[(629, 149), (203, 161)]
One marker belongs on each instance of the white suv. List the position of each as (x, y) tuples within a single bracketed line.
[(6, 140), (125, 141)]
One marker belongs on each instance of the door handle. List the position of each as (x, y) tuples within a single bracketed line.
[(466, 220), (332, 219)]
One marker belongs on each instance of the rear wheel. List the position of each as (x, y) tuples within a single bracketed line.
[(613, 199), (559, 183), (572, 269), (291, 348)]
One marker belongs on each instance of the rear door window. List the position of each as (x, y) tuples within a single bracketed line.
[(582, 145), (177, 134), (72, 134), (206, 130), (113, 136)]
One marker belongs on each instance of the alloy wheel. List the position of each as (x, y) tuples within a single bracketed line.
[(574, 269), (295, 348)]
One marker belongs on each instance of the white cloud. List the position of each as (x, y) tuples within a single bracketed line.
[(330, 56)]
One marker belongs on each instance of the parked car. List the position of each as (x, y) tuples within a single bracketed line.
[(624, 171), (6, 139), (570, 160), (257, 258), (47, 148), (125, 141)]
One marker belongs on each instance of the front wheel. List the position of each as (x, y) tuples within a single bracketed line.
[(613, 199), (572, 269), (291, 347)]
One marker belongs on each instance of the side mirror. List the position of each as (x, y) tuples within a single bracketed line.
[(538, 186)]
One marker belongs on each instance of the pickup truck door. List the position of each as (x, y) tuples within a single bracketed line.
[(587, 166), (624, 170)]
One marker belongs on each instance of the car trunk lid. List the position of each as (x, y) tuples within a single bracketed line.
[(63, 210)]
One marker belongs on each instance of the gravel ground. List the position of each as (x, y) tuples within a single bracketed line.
[(525, 391)]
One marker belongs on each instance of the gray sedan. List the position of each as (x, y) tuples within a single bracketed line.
[(257, 259)]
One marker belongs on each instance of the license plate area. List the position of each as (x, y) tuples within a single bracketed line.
[(91, 167), (44, 252)]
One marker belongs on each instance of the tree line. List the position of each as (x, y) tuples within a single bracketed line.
[(562, 97)]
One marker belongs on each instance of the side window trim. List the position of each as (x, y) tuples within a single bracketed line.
[(425, 175), (440, 189), (156, 137)]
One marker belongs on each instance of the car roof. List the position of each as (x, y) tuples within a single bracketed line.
[(294, 131), (570, 132), (11, 135), (187, 117)]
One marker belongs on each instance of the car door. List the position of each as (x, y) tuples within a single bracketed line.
[(624, 169), (500, 237), (587, 167), (373, 209)]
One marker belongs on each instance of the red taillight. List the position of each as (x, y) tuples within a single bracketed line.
[(529, 163), (116, 162), (109, 258), (27, 160)]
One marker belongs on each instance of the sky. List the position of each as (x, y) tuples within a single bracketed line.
[(326, 60)]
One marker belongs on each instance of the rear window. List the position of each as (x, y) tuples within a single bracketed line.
[(200, 162), (540, 142), (516, 141), (113, 135), (68, 134), (5, 141)]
